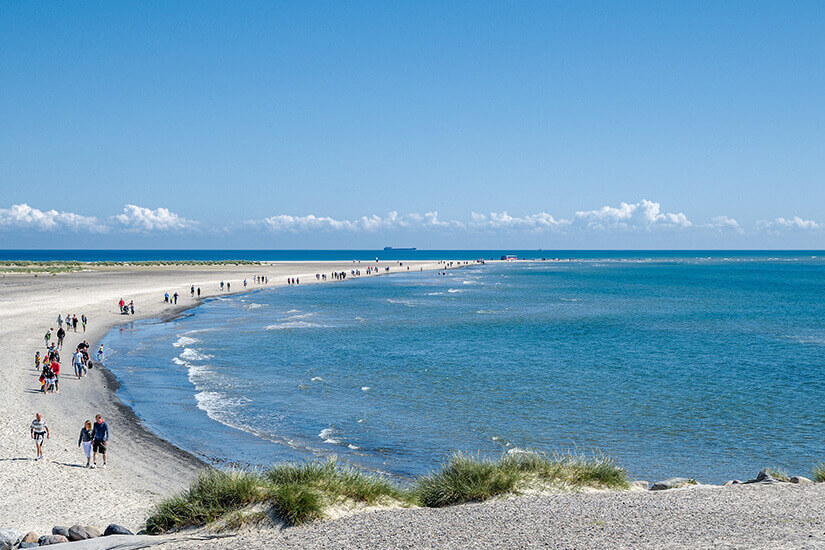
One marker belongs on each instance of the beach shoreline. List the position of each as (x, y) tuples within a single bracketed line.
[(143, 467)]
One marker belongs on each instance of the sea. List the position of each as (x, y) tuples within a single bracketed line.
[(707, 365)]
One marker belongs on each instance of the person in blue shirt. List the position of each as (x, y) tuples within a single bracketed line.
[(100, 436)]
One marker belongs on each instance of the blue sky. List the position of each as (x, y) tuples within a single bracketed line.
[(438, 125)]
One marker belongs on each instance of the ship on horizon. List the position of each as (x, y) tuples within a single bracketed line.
[(388, 248)]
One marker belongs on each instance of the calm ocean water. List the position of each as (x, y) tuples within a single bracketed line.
[(674, 364)]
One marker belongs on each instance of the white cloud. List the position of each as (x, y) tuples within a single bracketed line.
[(144, 220), (393, 220), (641, 215), (23, 216), (795, 223), (724, 223), (502, 220)]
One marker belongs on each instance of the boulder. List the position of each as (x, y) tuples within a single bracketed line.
[(800, 479), (9, 539), (115, 529), (47, 540), (639, 485), (31, 536), (765, 478), (58, 530), (672, 483), (82, 532), (732, 482)]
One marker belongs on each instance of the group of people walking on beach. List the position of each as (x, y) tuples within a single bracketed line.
[(93, 436), (93, 439), (48, 364)]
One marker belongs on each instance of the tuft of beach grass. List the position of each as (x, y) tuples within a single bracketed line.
[(470, 478)]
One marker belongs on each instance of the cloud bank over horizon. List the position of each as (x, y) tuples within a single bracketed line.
[(642, 218)]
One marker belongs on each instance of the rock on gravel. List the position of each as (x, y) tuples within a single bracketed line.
[(59, 530), (115, 529), (764, 477), (47, 540), (672, 483), (83, 532), (800, 479), (31, 536), (9, 539)]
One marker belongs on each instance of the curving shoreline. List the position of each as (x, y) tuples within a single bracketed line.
[(143, 467)]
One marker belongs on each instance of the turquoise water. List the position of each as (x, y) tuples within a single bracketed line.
[(705, 368)]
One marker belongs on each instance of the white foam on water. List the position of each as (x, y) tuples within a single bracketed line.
[(518, 451), (196, 373), (286, 325), (298, 316), (365, 388), (184, 341), (435, 294), (194, 355), (402, 302), (219, 406), (179, 361), (293, 311), (353, 447), (317, 379), (454, 290), (812, 340), (326, 435), (255, 306)]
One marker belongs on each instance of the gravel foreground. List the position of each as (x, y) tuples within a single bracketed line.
[(774, 516)]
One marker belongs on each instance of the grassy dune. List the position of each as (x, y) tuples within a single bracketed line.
[(67, 266), (296, 493)]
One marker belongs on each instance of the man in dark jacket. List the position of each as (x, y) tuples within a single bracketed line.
[(100, 435)]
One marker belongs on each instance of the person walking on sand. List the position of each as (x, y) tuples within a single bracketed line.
[(48, 336), (100, 436), (132, 307), (100, 354), (74, 322), (227, 286), (77, 361), (39, 432), (85, 441), (83, 320), (59, 321), (60, 335), (37, 360), (199, 292), (221, 286), (175, 296), (192, 291), (56, 372)]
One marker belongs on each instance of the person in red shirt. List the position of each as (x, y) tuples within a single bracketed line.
[(56, 371)]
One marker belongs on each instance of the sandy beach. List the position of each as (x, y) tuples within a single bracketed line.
[(142, 467)]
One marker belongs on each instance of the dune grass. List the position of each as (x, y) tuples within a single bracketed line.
[(297, 493), (292, 492), (819, 472), (779, 474), (467, 478)]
